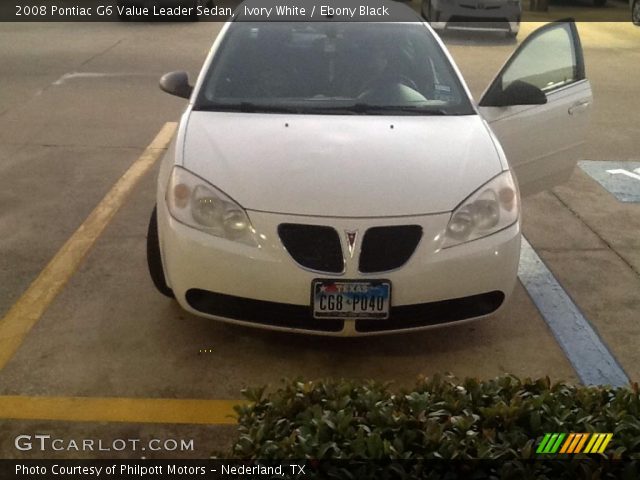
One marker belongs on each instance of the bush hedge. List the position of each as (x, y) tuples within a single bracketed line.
[(468, 428)]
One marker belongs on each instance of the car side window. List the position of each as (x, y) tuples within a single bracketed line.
[(548, 61)]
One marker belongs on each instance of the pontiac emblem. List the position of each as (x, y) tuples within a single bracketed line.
[(352, 237)]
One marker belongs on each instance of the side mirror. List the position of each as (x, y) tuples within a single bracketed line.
[(517, 93), (176, 83)]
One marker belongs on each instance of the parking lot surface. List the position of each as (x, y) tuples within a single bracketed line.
[(80, 105)]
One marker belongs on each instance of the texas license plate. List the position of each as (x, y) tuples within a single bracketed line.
[(351, 298)]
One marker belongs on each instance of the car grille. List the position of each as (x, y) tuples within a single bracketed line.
[(388, 248), (300, 317), (313, 246)]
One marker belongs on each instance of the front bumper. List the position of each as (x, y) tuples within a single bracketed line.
[(263, 286)]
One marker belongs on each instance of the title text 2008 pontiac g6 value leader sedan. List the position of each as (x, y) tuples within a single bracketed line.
[(337, 178)]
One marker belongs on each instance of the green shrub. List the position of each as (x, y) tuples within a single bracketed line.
[(491, 427)]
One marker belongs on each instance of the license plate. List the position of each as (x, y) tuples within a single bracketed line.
[(351, 299)]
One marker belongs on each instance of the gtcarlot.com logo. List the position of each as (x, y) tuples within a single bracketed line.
[(574, 443), (45, 443)]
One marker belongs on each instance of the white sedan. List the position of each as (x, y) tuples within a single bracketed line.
[(337, 178)]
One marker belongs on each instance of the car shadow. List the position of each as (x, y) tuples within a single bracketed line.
[(450, 338)]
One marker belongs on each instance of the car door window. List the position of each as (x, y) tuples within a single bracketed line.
[(547, 61), (539, 105)]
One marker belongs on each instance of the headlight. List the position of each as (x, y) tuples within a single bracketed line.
[(198, 204), (491, 208)]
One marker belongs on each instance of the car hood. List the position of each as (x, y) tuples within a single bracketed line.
[(342, 166)]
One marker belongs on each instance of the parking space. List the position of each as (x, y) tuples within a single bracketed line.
[(162, 338), (88, 108)]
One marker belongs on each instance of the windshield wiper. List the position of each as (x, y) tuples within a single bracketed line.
[(411, 109), (248, 107), (353, 109)]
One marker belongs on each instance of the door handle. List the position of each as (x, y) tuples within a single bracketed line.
[(579, 107)]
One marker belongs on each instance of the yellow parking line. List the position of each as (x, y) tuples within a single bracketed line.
[(24, 314), (130, 410)]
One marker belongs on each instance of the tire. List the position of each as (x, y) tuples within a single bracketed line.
[(154, 258), (635, 13)]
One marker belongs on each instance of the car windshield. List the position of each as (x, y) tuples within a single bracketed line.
[(332, 68)]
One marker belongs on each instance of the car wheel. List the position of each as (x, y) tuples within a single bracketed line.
[(635, 13), (154, 259)]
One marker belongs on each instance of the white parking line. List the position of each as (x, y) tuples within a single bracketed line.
[(589, 356)]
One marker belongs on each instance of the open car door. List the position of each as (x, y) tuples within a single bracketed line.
[(539, 106)]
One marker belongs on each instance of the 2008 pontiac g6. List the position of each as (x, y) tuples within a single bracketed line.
[(338, 178)]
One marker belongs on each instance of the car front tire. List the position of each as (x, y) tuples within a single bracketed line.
[(154, 258), (635, 13)]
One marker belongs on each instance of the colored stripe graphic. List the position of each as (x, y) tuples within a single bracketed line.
[(578, 448), (567, 444), (600, 443), (550, 444), (576, 445), (543, 443), (553, 443), (556, 445), (590, 444), (558, 442), (605, 442), (596, 445)]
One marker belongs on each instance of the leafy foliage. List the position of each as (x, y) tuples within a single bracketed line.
[(443, 421)]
